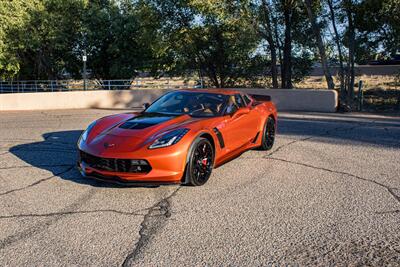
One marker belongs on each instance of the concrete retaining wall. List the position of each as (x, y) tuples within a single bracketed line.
[(300, 100), (285, 99)]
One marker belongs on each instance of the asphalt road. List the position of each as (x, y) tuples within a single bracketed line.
[(327, 194)]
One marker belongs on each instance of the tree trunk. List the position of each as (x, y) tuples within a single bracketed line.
[(320, 43), (350, 65), (339, 48), (279, 46), (271, 43), (287, 48)]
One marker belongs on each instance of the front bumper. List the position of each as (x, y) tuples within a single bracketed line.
[(164, 166), (117, 180)]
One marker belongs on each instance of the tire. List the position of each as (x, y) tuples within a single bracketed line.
[(268, 135), (200, 162)]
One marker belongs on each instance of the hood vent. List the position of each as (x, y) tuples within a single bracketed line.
[(133, 125), (145, 120)]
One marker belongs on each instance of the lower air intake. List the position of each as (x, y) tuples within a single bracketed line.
[(115, 165)]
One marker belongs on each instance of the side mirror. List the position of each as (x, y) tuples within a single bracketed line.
[(146, 105), (241, 111)]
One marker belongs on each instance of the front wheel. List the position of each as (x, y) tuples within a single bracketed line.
[(200, 163), (268, 135)]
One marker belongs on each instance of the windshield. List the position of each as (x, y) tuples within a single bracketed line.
[(198, 104)]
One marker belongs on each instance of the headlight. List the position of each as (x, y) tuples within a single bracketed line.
[(169, 138), (85, 134)]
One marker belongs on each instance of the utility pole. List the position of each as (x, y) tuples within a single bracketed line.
[(84, 58)]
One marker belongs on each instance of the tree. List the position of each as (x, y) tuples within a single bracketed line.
[(349, 9), (292, 34), (268, 33), (339, 49), (215, 38), (286, 66), (119, 38), (13, 16), (41, 44), (320, 43)]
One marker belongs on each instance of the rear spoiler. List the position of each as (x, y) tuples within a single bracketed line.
[(264, 98)]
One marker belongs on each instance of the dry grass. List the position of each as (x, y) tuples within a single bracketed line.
[(173, 82), (375, 82), (370, 82), (381, 93)]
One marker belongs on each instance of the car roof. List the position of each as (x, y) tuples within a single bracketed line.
[(221, 91)]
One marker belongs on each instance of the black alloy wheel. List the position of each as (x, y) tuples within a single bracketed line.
[(201, 162), (268, 137)]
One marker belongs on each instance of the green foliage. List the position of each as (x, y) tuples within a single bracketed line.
[(302, 66), (40, 44), (49, 37), (220, 40), (378, 23), (214, 38), (119, 38), (13, 16)]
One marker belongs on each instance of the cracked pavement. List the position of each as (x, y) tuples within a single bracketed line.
[(327, 194)]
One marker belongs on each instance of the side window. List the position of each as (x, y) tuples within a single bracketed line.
[(247, 99), (239, 101)]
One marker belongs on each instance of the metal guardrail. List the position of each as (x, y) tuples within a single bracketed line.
[(32, 86)]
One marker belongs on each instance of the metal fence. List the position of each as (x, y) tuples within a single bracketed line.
[(80, 85)]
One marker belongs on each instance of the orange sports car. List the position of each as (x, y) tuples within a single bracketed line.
[(179, 138)]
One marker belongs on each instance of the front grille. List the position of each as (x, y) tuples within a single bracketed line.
[(115, 165)]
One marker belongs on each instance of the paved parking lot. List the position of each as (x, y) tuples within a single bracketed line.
[(328, 193)]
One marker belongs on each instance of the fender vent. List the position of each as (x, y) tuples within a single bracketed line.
[(255, 138), (220, 138)]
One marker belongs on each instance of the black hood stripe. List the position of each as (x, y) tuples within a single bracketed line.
[(145, 120)]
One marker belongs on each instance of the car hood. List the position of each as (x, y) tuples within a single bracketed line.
[(133, 132), (147, 124)]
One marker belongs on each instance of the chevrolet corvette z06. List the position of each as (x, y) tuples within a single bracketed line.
[(179, 138)]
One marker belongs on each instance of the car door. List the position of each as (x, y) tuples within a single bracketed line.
[(254, 118), (235, 128)]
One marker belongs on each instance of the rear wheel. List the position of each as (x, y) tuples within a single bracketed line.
[(268, 136), (200, 163)]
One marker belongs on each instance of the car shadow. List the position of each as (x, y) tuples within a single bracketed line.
[(57, 153), (333, 128)]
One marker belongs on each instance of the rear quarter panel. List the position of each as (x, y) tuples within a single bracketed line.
[(267, 109)]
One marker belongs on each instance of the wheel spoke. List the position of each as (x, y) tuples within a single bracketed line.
[(269, 133), (202, 162)]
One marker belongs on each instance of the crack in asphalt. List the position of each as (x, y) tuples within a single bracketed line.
[(288, 144), (46, 150), (50, 143), (45, 138), (36, 166), (154, 219), (43, 225), (134, 213), (54, 118), (17, 139), (38, 181), (388, 188)]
